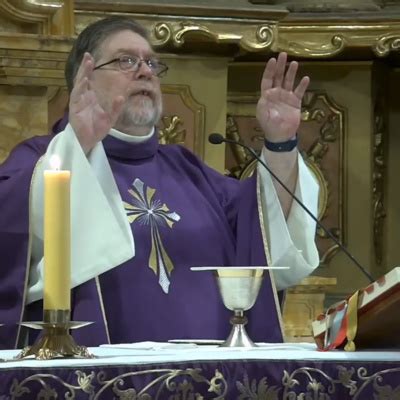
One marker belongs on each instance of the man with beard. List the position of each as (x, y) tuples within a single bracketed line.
[(143, 214)]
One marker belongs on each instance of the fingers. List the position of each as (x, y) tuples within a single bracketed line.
[(268, 75), (79, 89), (85, 69), (275, 77), (81, 82), (290, 76), (302, 87), (280, 69)]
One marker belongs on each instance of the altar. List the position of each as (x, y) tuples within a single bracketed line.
[(175, 371)]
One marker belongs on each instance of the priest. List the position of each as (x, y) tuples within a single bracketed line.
[(144, 213)]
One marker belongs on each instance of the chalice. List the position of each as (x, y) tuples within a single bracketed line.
[(239, 288)]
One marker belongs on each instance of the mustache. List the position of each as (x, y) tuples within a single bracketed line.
[(148, 88)]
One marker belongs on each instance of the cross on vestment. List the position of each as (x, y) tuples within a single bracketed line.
[(146, 209)]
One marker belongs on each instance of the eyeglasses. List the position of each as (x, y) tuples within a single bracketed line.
[(132, 64)]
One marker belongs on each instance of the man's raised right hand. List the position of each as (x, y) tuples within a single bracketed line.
[(89, 120)]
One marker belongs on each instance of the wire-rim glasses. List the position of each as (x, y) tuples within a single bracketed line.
[(132, 64)]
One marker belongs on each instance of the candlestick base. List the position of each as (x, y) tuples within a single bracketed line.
[(55, 341)]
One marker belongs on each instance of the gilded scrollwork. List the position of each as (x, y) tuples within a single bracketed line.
[(175, 34), (319, 107), (172, 132), (318, 49), (264, 37), (387, 44)]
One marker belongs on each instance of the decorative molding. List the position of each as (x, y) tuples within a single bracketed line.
[(237, 9), (29, 63), (307, 48), (387, 44), (307, 35), (331, 130), (321, 39), (176, 34), (34, 12)]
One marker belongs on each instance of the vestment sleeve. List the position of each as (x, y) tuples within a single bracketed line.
[(100, 234), (291, 242)]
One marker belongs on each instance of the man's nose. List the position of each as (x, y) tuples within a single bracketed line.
[(144, 71)]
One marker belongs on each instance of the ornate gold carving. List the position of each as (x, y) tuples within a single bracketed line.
[(198, 110), (318, 38), (264, 37), (165, 383), (172, 132), (317, 48), (175, 34), (241, 156), (260, 30), (331, 117), (386, 44)]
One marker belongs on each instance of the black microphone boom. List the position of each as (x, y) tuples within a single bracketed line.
[(216, 138)]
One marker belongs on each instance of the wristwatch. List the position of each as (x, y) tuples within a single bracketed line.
[(281, 147)]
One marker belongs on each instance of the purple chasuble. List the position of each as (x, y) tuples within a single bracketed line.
[(182, 214)]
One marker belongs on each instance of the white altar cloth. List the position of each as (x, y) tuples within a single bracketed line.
[(153, 352)]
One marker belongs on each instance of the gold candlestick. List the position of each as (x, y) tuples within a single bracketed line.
[(55, 340)]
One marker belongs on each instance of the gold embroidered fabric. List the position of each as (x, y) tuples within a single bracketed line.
[(148, 210), (193, 384)]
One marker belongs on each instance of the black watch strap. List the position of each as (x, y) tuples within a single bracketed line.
[(289, 145)]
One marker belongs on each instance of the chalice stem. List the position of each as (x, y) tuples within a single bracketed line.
[(238, 336)]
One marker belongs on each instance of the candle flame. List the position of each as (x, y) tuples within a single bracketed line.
[(55, 162)]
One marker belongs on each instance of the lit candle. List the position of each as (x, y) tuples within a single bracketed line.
[(57, 236)]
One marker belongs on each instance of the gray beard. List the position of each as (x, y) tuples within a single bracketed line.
[(146, 115)]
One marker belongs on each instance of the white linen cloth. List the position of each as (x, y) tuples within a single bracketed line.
[(139, 353)]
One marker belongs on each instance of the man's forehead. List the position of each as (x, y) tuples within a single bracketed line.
[(126, 41)]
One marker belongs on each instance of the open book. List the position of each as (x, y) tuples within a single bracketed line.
[(374, 324)]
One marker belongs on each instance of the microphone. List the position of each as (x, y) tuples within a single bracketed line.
[(216, 138)]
